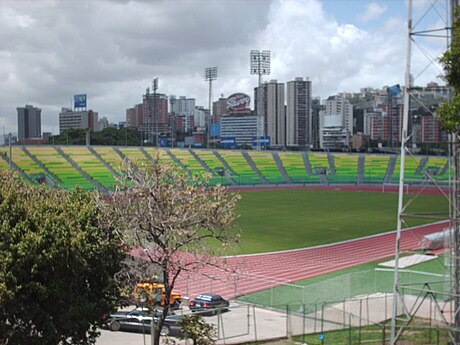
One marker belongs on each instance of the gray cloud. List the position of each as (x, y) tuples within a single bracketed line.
[(111, 50)]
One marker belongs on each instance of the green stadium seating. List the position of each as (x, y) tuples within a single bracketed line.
[(25, 162), (266, 164), (346, 169), (187, 159), (440, 163), (162, 156), (346, 165), (110, 156), (239, 164), (214, 164), (89, 163), (412, 163), (295, 167), (375, 168), (135, 155), (319, 160), (59, 166), (3, 164)]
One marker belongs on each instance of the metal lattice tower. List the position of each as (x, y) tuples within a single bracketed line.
[(417, 36)]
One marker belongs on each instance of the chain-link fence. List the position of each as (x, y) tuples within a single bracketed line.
[(343, 287), (363, 320), (349, 309)]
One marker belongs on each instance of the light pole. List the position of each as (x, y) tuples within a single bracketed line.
[(260, 65), (11, 152), (210, 74)]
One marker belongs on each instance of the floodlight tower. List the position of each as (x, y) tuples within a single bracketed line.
[(260, 65), (210, 74)]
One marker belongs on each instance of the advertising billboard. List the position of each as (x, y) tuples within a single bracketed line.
[(79, 101), (238, 103), (264, 141), (215, 130), (164, 142), (228, 142)]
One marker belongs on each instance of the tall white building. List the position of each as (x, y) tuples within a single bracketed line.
[(299, 113), (183, 106), (333, 135), (201, 115), (337, 105), (272, 110), (243, 128)]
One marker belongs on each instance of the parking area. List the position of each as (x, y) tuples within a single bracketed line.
[(242, 323)]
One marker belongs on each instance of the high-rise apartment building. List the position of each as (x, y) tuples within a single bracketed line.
[(299, 113), (432, 130), (86, 119), (155, 110), (184, 107), (273, 111), (29, 122), (135, 116), (383, 122), (201, 116), (338, 105), (219, 108)]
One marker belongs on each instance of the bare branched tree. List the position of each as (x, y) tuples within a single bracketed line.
[(175, 222)]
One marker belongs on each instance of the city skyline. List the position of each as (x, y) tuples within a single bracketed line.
[(111, 50)]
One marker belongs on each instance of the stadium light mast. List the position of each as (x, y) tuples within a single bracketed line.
[(210, 74), (260, 65)]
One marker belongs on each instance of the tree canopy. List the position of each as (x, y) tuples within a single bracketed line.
[(57, 262), (175, 222), (450, 112), (108, 136)]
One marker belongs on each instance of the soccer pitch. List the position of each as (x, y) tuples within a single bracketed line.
[(297, 218)]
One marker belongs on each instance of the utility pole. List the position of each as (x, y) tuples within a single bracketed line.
[(210, 74), (11, 152), (260, 65)]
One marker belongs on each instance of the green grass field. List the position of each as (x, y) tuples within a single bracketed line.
[(297, 218)]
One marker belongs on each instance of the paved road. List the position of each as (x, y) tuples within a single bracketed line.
[(236, 325)]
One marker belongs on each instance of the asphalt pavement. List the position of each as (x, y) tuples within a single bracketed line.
[(234, 326)]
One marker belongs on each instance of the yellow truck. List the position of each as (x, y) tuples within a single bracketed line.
[(154, 293)]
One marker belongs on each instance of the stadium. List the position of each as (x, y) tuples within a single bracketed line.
[(311, 222)]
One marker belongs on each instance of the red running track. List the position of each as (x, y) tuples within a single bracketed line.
[(252, 273)]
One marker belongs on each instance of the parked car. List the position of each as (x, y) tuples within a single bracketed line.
[(139, 319), (208, 302)]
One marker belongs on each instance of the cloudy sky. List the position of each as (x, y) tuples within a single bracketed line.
[(111, 50)]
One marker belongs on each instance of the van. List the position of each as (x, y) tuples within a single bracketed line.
[(155, 293)]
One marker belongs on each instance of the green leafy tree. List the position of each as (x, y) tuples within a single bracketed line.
[(450, 112), (58, 257), (174, 222), (108, 136), (194, 327)]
